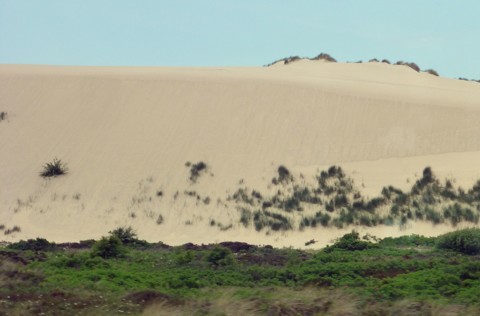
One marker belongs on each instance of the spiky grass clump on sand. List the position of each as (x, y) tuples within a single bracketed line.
[(54, 168)]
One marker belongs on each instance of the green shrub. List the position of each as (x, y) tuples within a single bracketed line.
[(54, 168), (408, 241), (466, 241), (128, 236), (220, 256), (108, 247), (39, 244), (351, 242), (184, 257)]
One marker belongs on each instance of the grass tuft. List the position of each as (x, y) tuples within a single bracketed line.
[(54, 168)]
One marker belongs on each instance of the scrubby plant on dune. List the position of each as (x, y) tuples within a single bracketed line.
[(196, 170), (324, 56), (409, 64), (14, 229), (54, 168), (335, 200), (287, 60), (283, 177), (431, 71)]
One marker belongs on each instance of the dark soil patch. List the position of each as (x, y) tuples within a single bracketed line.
[(236, 247), (147, 297)]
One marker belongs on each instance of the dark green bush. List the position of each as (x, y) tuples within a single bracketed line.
[(39, 244), (351, 242), (220, 256), (466, 241), (408, 241), (108, 247), (128, 236)]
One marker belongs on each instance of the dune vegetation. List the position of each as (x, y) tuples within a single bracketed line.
[(335, 201), (329, 58), (121, 274)]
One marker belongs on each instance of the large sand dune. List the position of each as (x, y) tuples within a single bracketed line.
[(126, 133)]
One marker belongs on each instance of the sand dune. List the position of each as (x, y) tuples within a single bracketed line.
[(126, 134)]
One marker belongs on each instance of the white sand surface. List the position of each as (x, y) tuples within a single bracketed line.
[(127, 132)]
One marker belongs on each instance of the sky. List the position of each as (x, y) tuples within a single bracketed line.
[(439, 34)]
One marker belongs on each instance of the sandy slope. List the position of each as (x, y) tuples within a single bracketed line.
[(126, 133)]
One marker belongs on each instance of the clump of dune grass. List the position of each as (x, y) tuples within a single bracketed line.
[(324, 56), (14, 229), (431, 71), (196, 169), (54, 168), (408, 64)]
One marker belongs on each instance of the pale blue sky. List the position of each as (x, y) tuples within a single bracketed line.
[(439, 34)]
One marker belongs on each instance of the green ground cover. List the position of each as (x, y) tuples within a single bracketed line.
[(411, 273)]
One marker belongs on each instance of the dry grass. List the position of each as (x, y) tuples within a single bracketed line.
[(266, 301), (306, 301)]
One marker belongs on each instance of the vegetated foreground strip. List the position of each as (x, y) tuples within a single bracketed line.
[(121, 274)]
